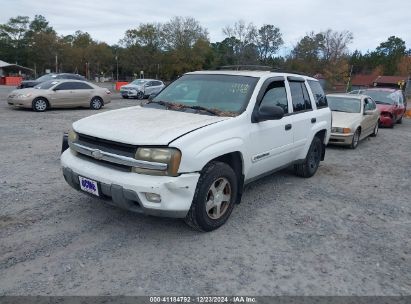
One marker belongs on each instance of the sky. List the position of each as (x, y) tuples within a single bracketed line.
[(371, 21)]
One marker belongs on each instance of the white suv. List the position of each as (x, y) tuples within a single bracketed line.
[(141, 88), (188, 152)]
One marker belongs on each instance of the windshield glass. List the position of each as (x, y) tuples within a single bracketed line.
[(46, 77), (382, 97), (46, 85), (225, 93), (139, 82), (344, 104)]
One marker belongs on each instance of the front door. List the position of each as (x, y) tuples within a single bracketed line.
[(270, 141)]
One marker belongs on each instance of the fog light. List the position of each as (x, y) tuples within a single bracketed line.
[(153, 197)]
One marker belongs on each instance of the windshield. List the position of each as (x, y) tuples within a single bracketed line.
[(221, 93), (383, 97), (344, 104), (46, 77), (46, 85), (139, 82)]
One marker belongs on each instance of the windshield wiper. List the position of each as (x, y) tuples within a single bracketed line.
[(166, 104)]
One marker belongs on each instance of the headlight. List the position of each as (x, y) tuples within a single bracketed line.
[(169, 156), (72, 136), (24, 95), (341, 130)]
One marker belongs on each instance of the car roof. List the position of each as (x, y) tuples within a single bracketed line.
[(381, 89), (249, 73), (346, 95), (147, 79)]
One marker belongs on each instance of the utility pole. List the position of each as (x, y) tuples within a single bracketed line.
[(57, 63), (349, 79), (117, 65)]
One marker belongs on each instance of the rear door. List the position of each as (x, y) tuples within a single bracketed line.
[(271, 141), (82, 94), (303, 116)]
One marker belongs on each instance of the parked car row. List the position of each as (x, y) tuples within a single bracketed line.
[(359, 114)]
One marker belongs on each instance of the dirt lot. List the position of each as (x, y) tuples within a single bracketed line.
[(346, 231)]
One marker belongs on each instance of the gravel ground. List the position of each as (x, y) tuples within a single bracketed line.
[(346, 231)]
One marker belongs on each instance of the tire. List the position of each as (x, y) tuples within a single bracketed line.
[(375, 132), (96, 103), (124, 96), (399, 121), (311, 161), (214, 198), (140, 95), (40, 104), (355, 139)]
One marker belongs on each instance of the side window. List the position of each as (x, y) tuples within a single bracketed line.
[(157, 83), (276, 95), (400, 99), (300, 97), (65, 86), (367, 104), (149, 84), (319, 95)]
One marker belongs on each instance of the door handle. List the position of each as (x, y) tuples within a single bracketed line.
[(313, 120), (288, 127)]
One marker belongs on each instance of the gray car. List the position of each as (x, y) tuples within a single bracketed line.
[(141, 88)]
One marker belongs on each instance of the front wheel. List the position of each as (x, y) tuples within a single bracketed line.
[(399, 121), (375, 132), (140, 95), (96, 103), (355, 139), (40, 104), (214, 197), (311, 161)]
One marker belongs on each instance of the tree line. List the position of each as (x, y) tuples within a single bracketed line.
[(167, 50)]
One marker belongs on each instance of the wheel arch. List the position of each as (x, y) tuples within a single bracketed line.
[(236, 162), (322, 135), (99, 97)]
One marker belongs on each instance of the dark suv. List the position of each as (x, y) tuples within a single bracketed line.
[(32, 83)]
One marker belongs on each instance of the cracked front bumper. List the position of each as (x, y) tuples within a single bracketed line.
[(127, 189)]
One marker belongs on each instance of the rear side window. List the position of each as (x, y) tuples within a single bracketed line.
[(65, 86), (157, 83), (300, 97), (319, 95), (81, 86)]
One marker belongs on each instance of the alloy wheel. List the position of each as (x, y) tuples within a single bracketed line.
[(218, 198)]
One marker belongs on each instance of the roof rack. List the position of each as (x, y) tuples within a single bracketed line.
[(258, 68), (245, 67)]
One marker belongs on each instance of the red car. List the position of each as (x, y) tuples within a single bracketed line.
[(391, 103)]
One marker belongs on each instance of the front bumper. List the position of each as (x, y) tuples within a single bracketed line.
[(386, 121), (19, 102), (341, 139), (129, 93), (127, 189)]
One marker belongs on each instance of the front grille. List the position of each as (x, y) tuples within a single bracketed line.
[(107, 145)]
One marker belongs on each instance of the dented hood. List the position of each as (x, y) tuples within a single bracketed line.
[(143, 126)]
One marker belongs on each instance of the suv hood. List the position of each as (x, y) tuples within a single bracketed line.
[(143, 126)]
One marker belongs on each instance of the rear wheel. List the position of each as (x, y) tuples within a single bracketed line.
[(40, 104), (214, 197), (311, 161), (96, 103), (355, 139), (124, 96)]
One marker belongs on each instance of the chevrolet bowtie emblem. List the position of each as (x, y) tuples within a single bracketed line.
[(96, 154)]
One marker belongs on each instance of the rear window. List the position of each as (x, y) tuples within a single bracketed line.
[(319, 95)]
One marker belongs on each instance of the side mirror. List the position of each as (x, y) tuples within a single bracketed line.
[(268, 113), (151, 96)]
